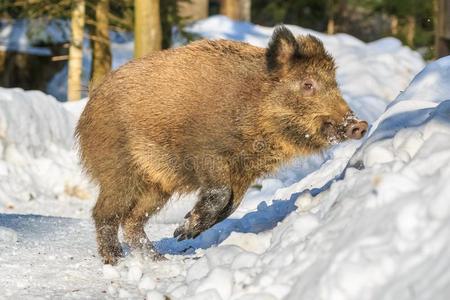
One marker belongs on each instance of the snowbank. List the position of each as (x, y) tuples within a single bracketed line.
[(39, 171)]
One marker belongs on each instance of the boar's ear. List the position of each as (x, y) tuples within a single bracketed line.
[(282, 50), (311, 46)]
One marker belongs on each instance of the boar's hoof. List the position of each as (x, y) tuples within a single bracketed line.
[(191, 228), (112, 255), (212, 207)]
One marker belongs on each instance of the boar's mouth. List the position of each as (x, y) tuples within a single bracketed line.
[(330, 131), (333, 133)]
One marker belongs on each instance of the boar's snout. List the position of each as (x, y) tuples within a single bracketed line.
[(356, 129), (350, 128)]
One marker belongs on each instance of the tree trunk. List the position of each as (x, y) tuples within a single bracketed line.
[(147, 27), (230, 8), (442, 27), (437, 27), (101, 55), (410, 30), (330, 26), (394, 25), (236, 9), (330, 12), (193, 10), (2, 61), (343, 13), (245, 8), (76, 50)]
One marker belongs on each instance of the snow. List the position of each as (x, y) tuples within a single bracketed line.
[(147, 283), (8, 235), (369, 219), (39, 171), (50, 257), (109, 272)]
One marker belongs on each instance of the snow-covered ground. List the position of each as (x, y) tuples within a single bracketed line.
[(366, 220)]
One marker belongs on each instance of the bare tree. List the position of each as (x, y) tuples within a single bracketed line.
[(194, 9), (76, 50), (147, 27), (442, 27), (410, 30), (236, 9), (394, 25), (230, 8), (331, 7), (101, 56), (245, 7)]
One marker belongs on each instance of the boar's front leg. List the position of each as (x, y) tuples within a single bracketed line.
[(209, 210)]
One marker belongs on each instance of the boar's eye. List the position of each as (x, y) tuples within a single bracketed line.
[(309, 87)]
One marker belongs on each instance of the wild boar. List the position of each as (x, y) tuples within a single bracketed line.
[(210, 117)]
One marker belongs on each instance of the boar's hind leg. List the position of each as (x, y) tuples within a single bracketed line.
[(133, 223), (206, 213), (107, 219)]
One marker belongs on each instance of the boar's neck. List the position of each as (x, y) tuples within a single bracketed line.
[(260, 148)]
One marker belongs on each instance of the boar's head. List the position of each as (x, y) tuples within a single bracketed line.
[(304, 104)]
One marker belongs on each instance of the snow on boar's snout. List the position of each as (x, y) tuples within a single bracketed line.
[(350, 127)]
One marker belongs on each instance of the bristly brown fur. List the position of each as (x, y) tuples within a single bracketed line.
[(211, 116)]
